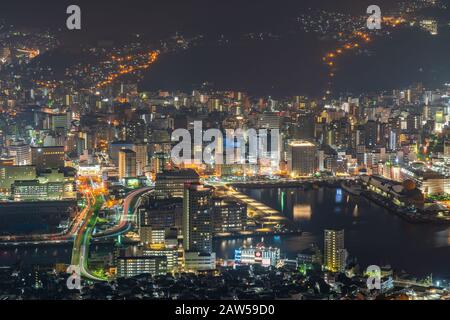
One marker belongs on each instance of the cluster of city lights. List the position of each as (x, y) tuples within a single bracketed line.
[(127, 66)]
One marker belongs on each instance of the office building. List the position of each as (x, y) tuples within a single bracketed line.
[(132, 266), (21, 152), (372, 134), (301, 158), (115, 147), (47, 157), (160, 214), (33, 190), (270, 120), (9, 174), (199, 261), (170, 184), (170, 254), (59, 121)]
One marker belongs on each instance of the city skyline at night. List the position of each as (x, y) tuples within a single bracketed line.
[(205, 150)]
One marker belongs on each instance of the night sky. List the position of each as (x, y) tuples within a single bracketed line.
[(292, 66), (102, 18)]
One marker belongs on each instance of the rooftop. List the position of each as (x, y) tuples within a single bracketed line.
[(301, 143)]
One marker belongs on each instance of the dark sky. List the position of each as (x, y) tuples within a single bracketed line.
[(293, 66), (102, 18)]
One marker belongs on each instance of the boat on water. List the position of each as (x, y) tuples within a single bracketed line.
[(352, 188)]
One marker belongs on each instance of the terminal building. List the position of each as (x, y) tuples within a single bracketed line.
[(33, 190), (9, 174), (257, 255), (401, 194), (429, 182)]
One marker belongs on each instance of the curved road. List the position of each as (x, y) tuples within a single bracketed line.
[(66, 236), (80, 250), (81, 246), (124, 224)]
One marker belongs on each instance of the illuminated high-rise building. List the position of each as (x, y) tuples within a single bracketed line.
[(197, 218), (229, 216), (115, 147), (141, 158), (302, 158), (414, 123), (21, 152), (372, 133), (127, 163), (447, 149), (170, 183), (335, 255), (270, 120)]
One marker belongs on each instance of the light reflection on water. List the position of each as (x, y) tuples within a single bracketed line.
[(338, 198), (442, 238), (302, 212), (356, 211), (372, 234)]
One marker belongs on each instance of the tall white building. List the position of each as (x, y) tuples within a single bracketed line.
[(21, 152), (141, 158)]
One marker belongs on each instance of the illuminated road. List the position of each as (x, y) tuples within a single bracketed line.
[(82, 231), (124, 220), (351, 41), (55, 238), (354, 41), (80, 252), (86, 186), (128, 65), (32, 53)]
